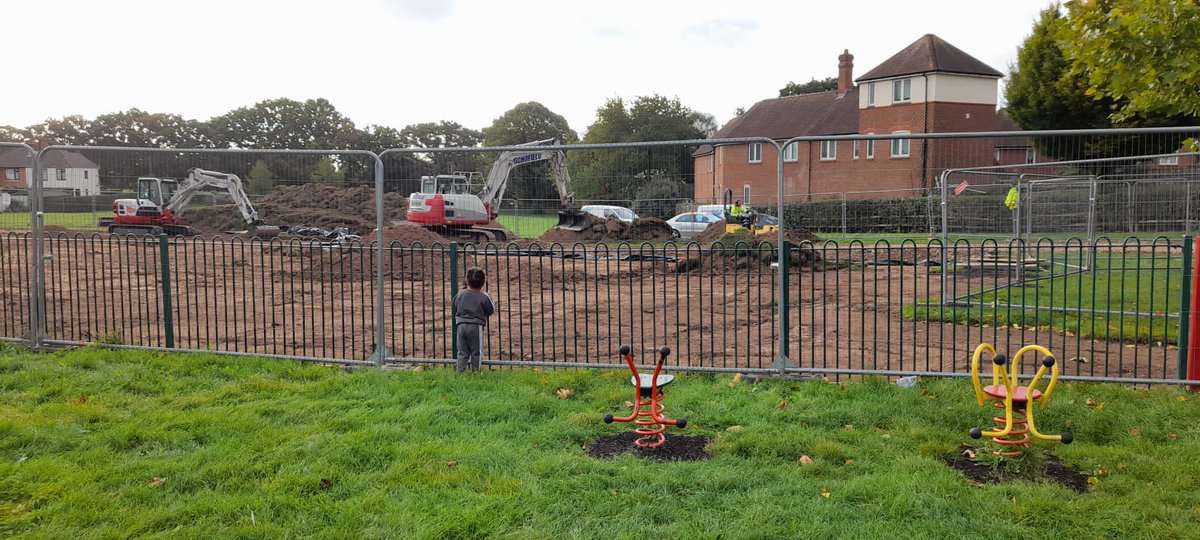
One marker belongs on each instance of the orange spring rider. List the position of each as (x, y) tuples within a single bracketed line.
[(647, 411), (1013, 430)]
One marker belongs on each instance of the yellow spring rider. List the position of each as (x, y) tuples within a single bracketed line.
[(1013, 430)]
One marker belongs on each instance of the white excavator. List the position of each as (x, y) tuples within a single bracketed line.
[(446, 205), (160, 201)]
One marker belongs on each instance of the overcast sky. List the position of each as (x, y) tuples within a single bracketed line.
[(401, 62)]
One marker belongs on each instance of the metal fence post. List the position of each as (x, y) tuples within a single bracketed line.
[(37, 278), (453, 289), (165, 263), (845, 230), (1185, 307), (784, 322)]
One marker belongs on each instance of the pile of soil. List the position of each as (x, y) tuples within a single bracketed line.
[(613, 230), (1051, 468), (676, 447), (312, 205), (716, 233), (405, 234)]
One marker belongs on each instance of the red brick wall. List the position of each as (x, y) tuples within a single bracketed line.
[(21, 183)]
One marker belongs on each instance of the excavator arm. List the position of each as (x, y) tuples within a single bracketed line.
[(497, 181), (198, 179)]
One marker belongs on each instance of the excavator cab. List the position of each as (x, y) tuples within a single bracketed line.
[(158, 192)]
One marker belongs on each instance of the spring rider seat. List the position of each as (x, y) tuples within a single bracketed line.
[(648, 402), (1013, 430)]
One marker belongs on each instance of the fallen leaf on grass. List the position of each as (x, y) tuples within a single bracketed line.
[(1135, 432), (783, 404), (80, 399), (849, 427), (629, 404), (849, 462), (805, 460), (564, 393), (612, 492), (157, 481), (1182, 398), (969, 453), (825, 492), (1173, 436), (1090, 402), (452, 464)]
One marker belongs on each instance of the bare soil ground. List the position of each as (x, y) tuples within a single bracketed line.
[(312, 205), (612, 230), (297, 298)]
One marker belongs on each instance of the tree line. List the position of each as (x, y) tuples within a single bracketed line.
[(317, 124)]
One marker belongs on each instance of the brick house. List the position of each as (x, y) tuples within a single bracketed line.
[(928, 87), (64, 172)]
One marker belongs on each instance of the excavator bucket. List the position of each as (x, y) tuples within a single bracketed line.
[(573, 220)]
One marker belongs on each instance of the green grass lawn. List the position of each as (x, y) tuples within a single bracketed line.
[(78, 221), (528, 225), (115, 444), (1120, 283)]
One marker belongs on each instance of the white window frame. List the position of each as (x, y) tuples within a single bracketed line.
[(12, 175), (828, 150), (1030, 156), (855, 152), (755, 152), (901, 148), (791, 151), (901, 90), (746, 194), (870, 147), (1169, 161), (870, 94), (62, 175)]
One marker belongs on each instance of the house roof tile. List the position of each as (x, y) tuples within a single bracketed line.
[(927, 55), (822, 113), (58, 159)]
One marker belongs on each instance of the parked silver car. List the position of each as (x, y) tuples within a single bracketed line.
[(691, 224)]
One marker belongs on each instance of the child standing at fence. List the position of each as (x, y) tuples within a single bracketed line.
[(472, 307)]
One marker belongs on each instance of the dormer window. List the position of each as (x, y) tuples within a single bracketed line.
[(901, 90)]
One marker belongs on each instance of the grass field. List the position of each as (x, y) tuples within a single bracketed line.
[(1119, 283), (115, 444), (79, 221)]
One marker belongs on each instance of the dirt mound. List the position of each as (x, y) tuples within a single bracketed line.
[(406, 234), (716, 233), (313, 205), (613, 230)]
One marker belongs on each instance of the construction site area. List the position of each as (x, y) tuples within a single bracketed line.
[(570, 296)]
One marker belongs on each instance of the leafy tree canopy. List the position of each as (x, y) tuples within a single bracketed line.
[(810, 87)]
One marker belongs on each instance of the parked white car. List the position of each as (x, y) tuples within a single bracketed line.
[(691, 224), (605, 211)]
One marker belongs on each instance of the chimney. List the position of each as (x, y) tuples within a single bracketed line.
[(845, 73)]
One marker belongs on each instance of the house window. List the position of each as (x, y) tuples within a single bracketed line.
[(828, 150), (1030, 155), (855, 143), (870, 147), (1173, 160), (791, 152), (746, 194), (870, 94), (12, 175), (755, 152), (901, 90), (900, 146), (62, 175), (85, 174)]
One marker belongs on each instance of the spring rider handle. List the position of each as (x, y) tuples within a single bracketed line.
[(1006, 388), (647, 410)]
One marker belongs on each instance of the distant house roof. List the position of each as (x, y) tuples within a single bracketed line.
[(927, 55), (58, 159), (822, 113)]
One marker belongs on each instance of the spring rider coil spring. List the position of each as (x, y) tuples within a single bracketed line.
[(647, 411), (1015, 428)]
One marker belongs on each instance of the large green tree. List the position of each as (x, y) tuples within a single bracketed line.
[(1043, 93), (618, 174), (810, 87), (445, 134), (1143, 54), (528, 122)]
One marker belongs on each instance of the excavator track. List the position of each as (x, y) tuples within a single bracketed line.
[(476, 235)]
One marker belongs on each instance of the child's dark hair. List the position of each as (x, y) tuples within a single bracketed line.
[(475, 277)]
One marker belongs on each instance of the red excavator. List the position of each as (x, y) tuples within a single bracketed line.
[(160, 200), (446, 205)]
